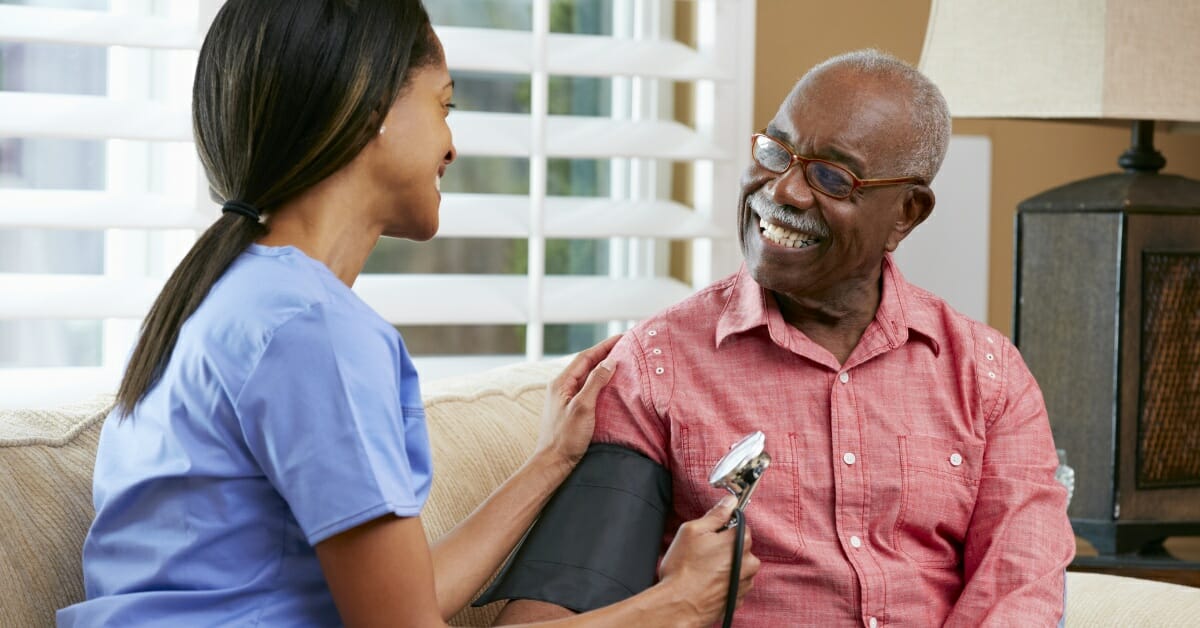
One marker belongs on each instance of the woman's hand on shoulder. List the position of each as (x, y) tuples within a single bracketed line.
[(570, 412)]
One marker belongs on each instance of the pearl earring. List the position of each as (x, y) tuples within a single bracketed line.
[(381, 128)]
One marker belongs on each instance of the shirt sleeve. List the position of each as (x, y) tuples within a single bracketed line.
[(603, 563), (322, 415), (1020, 540), (626, 412)]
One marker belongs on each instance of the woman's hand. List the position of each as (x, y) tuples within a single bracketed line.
[(698, 562), (465, 557), (570, 413)]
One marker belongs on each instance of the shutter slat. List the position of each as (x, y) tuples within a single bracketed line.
[(79, 297), (499, 215), (580, 137), (91, 118), (485, 134), (510, 52), (95, 28), (486, 49), (77, 209), (592, 55), (445, 299), (462, 215), (467, 49), (400, 299), (583, 299), (501, 299)]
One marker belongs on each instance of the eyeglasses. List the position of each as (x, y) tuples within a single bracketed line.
[(826, 177)]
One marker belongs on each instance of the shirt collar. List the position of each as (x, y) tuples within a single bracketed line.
[(900, 312), (745, 308)]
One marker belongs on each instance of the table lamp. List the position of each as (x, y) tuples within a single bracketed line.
[(1107, 307)]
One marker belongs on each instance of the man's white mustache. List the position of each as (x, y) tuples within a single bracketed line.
[(784, 216)]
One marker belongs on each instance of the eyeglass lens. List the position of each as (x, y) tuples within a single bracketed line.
[(826, 177)]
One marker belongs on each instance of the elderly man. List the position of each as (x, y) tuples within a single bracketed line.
[(912, 475)]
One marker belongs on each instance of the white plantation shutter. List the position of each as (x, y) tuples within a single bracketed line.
[(152, 206), (147, 207)]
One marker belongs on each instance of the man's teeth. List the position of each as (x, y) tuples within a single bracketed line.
[(786, 237)]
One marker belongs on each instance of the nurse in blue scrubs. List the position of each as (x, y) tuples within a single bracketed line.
[(267, 460)]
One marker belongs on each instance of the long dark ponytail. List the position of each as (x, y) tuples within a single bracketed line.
[(286, 93)]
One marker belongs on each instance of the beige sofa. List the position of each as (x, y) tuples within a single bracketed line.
[(482, 427)]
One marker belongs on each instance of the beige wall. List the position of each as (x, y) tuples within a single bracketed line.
[(1028, 157)]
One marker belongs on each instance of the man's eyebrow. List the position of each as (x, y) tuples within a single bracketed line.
[(829, 154), (850, 161), (774, 131), (450, 84)]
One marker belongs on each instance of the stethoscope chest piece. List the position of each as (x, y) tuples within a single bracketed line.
[(740, 468)]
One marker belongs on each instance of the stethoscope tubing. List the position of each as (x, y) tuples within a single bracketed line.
[(735, 567)]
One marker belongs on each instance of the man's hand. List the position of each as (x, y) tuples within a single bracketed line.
[(699, 560), (570, 413)]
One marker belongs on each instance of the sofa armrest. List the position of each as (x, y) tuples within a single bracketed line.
[(46, 461)]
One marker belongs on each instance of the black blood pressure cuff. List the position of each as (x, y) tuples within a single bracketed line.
[(598, 538)]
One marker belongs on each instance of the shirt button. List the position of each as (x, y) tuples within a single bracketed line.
[(872, 622), (651, 333), (844, 377), (660, 370), (657, 352), (855, 541), (955, 459), (848, 458)]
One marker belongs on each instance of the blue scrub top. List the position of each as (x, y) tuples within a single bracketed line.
[(288, 412)]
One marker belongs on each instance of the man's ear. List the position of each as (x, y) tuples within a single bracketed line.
[(915, 207)]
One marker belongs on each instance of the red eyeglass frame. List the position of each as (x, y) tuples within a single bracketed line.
[(804, 161)]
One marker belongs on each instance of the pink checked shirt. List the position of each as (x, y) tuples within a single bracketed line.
[(911, 486)]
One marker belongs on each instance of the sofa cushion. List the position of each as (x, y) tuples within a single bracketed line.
[(1104, 600), (46, 460)]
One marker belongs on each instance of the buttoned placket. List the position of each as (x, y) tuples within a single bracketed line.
[(851, 492)]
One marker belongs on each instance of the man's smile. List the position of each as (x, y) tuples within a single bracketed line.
[(781, 226), (786, 237)]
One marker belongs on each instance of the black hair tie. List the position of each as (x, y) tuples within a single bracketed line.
[(243, 209)]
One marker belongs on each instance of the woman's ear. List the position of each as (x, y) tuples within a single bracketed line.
[(915, 207)]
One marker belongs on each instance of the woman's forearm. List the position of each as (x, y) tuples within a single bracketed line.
[(466, 556), (660, 605)]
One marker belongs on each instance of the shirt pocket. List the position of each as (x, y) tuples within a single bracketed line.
[(940, 480), (774, 509)]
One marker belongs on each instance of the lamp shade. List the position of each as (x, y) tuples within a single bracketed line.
[(1090, 59)]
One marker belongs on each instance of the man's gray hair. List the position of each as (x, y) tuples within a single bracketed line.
[(930, 114)]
